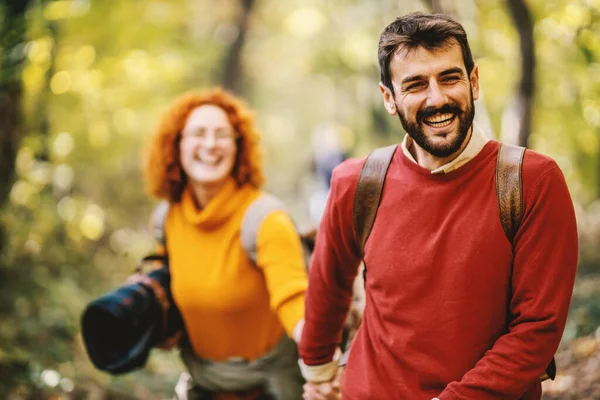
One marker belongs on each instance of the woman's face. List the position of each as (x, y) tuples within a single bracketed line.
[(208, 146)]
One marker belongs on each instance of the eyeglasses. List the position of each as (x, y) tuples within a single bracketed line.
[(221, 136)]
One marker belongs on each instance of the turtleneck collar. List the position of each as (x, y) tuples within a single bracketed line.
[(219, 208)]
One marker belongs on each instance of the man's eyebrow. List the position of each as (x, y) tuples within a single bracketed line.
[(451, 71), (413, 78), (448, 71)]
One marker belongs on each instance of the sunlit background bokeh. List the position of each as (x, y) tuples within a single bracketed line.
[(96, 76)]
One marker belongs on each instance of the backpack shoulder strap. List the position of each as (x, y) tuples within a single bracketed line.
[(253, 218), (157, 222), (368, 192), (366, 202), (256, 213), (509, 188)]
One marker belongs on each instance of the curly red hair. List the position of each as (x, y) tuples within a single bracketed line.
[(164, 174)]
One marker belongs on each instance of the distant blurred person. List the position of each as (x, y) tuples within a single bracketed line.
[(328, 152), (240, 316), (460, 304)]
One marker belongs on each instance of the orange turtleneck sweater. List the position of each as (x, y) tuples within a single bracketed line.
[(230, 306)]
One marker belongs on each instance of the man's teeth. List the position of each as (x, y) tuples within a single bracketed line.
[(439, 120)]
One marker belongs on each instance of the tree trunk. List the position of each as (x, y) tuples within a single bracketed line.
[(516, 121), (10, 95), (233, 71), (12, 34), (436, 6), (12, 37), (45, 96)]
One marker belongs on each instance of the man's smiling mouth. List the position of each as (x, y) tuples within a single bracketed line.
[(439, 120)]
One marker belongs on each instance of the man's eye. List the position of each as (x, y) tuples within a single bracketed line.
[(415, 86), (451, 79)]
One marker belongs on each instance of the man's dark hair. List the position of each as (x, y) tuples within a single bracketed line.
[(431, 31)]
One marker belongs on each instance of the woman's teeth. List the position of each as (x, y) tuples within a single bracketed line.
[(208, 160), (439, 120)]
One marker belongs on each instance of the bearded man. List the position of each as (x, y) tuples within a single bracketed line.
[(455, 309)]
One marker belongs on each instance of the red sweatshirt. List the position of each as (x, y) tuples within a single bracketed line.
[(450, 312)]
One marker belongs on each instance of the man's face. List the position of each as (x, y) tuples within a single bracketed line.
[(434, 97)]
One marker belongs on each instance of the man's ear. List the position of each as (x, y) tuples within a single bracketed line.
[(474, 78), (388, 99)]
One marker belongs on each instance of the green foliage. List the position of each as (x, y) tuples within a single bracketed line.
[(98, 75)]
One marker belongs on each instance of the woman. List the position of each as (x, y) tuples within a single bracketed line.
[(239, 316)]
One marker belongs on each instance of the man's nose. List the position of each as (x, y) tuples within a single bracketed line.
[(435, 96)]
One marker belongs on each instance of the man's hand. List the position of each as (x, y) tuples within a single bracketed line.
[(325, 390), (322, 390)]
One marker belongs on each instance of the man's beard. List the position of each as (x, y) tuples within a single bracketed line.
[(415, 130)]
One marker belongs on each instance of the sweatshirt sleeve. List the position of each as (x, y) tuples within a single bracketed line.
[(281, 258), (544, 267), (333, 268)]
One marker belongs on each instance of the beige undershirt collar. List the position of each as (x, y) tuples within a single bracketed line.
[(476, 142)]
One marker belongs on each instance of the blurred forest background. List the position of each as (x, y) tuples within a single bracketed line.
[(83, 83)]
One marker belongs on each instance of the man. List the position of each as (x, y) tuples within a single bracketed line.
[(454, 310)]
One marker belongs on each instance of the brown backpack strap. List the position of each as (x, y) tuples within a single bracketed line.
[(509, 188), (368, 192), (366, 202)]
